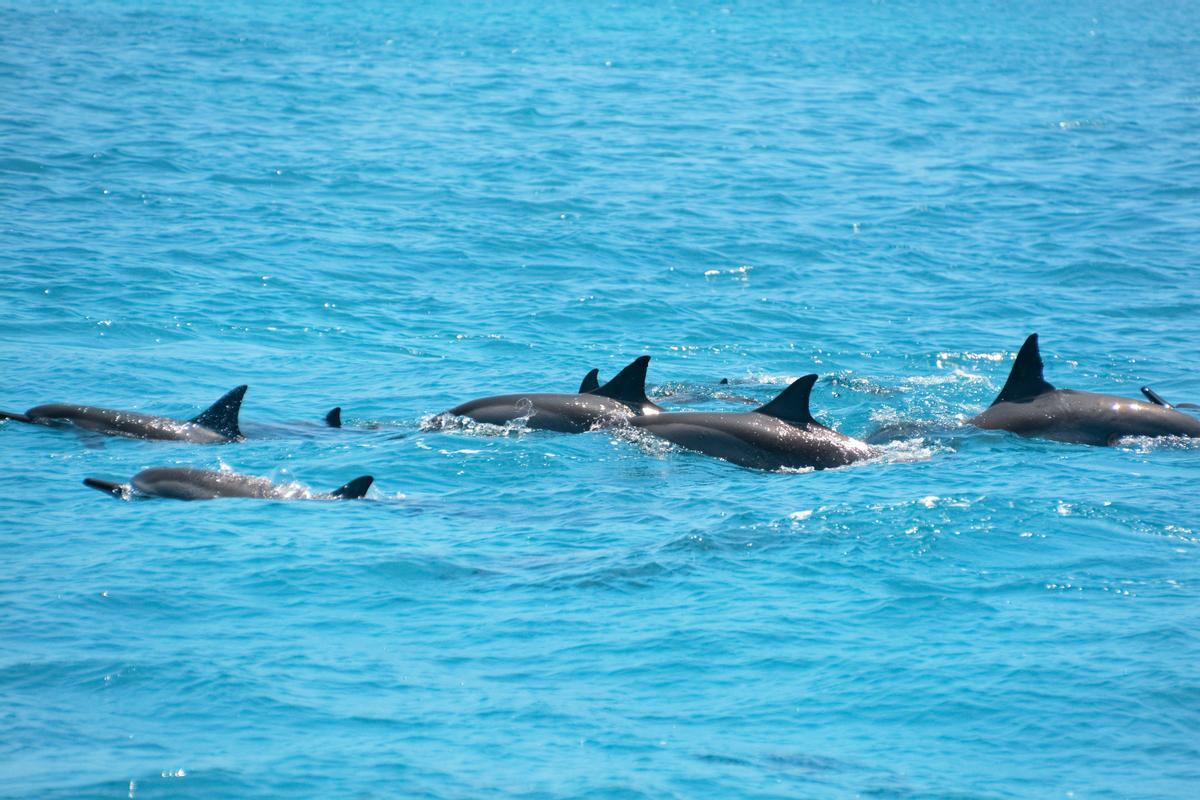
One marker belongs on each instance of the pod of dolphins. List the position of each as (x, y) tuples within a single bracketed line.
[(782, 434)]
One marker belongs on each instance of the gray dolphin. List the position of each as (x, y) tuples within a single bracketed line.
[(622, 398), (219, 423), (181, 483), (591, 382), (780, 434), (1029, 406)]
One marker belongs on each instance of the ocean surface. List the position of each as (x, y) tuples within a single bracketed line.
[(396, 207)]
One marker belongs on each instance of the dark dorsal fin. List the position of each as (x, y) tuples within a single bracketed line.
[(1155, 397), (115, 489), (791, 405), (355, 489), (222, 416), (629, 385), (334, 418), (1151, 395), (591, 382), (1025, 381)]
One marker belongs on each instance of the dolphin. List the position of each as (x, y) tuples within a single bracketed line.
[(182, 483), (622, 398), (781, 434), (1029, 406), (591, 382), (219, 423)]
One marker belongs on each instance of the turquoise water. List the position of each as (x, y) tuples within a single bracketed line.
[(395, 209)]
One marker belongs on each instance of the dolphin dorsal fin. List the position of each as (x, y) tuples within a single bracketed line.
[(355, 489), (222, 416), (791, 405), (334, 418), (1155, 397), (1025, 382), (629, 385), (591, 382)]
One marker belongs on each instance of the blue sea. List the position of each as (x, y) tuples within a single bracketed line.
[(397, 207)]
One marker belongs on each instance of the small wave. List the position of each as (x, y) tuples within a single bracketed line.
[(647, 442), (446, 422), (795, 470), (1149, 444), (294, 490), (741, 273), (957, 375), (904, 451), (864, 385)]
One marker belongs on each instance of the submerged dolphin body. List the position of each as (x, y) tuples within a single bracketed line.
[(781, 434), (182, 483), (591, 382), (621, 399), (1029, 406), (219, 423)]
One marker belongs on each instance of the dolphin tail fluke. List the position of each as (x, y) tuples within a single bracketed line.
[(629, 385), (355, 489), (334, 418), (16, 417), (591, 382), (1025, 382), (791, 405), (222, 416), (115, 489)]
